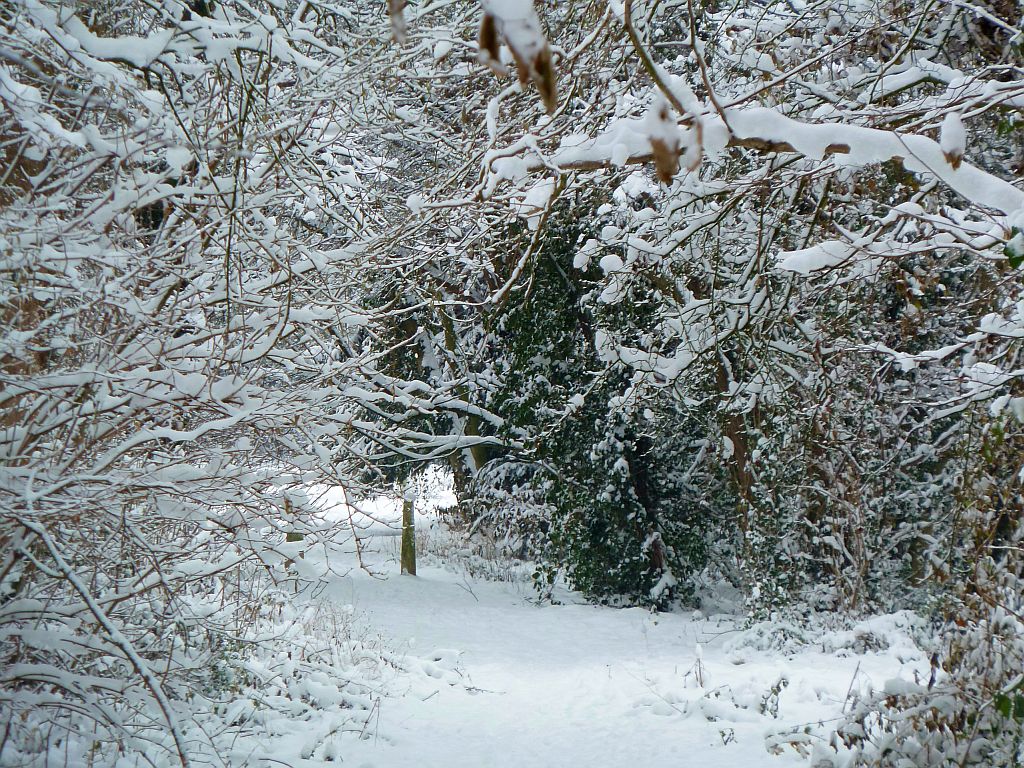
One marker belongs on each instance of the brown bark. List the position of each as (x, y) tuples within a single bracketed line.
[(408, 557)]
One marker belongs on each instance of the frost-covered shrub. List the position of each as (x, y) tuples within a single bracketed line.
[(971, 711), (166, 285)]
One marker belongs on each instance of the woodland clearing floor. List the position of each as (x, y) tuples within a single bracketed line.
[(491, 678)]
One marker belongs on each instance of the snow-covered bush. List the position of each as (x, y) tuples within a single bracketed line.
[(970, 711), (177, 192)]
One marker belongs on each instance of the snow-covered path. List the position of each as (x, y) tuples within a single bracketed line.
[(497, 680)]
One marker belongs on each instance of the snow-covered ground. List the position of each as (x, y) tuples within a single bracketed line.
[(484, 675)]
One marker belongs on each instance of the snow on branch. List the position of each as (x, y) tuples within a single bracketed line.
[(631, 141), (770, 130)]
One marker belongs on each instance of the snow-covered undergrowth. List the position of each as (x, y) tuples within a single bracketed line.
[(475, 556), (250, 653)]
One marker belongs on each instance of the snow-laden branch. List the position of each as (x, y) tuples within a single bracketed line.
[(768, 129), (629, 141), (116, 636)]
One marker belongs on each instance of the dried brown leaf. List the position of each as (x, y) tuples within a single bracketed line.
[(543, 73), (522, 68), (490, 45), (530, 50), (666, 160)]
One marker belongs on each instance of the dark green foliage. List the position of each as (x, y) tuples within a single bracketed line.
[(607, 470), (1014, 250), (618, 483)]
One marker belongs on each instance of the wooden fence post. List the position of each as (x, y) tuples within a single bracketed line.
[(408, 557)]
